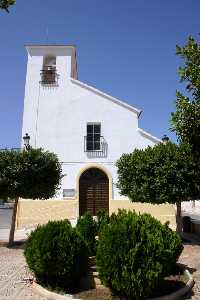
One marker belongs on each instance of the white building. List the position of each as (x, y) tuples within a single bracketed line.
[(88, 130)]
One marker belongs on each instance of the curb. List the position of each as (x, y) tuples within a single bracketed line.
[(3, 243), (181, 292), (50, 295), (174, 296)]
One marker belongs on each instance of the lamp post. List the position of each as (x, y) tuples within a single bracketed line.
[(165, 139), (26, 139)]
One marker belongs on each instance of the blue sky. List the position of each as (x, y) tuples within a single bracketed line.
[(125, 48)]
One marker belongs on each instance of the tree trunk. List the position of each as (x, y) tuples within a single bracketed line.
[(179, 223), (12, 228)]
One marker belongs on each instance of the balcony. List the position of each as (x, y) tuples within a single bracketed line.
[(95, 148), (49, 76)]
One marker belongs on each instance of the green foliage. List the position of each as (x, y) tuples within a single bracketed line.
[(89, 229), (8, 173), (57, 255), (135, 252), (186, 120), (159, 174), (190, 71), (103, 219), (4, 4), (29, 174), (86, 227)]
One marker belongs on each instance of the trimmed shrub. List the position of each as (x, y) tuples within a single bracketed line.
[(57, 255), (86, 227), (134, 254), (102, 219)]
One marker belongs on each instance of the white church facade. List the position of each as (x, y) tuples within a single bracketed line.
[(88, 130)]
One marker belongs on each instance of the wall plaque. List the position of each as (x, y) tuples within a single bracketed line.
[(68, 193)]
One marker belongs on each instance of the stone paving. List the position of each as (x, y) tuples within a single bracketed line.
[(14, 272)]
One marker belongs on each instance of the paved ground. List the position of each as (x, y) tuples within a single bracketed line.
[(13, 271)]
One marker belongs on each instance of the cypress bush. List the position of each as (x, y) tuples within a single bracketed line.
[(89, 228), (86, 227), (134, 254), (57, 255), (102, 219)]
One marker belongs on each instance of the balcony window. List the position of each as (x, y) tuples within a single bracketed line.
[(93, 138)]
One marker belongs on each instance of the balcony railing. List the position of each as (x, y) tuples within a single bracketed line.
[(49, 76), (95, 148), (94, 145)]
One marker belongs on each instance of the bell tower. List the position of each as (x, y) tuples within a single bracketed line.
[(49, 70)]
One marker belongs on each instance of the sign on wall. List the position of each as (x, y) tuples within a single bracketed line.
[(68, 193)]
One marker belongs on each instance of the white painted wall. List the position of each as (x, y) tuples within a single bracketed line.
[(56, 118)]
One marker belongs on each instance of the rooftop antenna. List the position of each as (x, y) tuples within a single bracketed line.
[(47, 35)]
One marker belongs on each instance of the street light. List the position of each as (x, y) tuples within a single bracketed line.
[(26, 139), (165, 139)]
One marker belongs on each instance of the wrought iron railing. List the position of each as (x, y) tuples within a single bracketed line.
[(49, 76), (97, 145)]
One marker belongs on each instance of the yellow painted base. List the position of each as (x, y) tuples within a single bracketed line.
[(162, 212), (33, 212), (30, 213)]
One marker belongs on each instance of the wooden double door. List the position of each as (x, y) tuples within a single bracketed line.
[(93, 191)]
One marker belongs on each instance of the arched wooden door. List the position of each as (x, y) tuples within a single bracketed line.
[(93, 191)]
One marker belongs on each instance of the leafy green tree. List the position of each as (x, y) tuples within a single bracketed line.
[(165, 173), (185, 121), (5, 4), (32, 174)]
